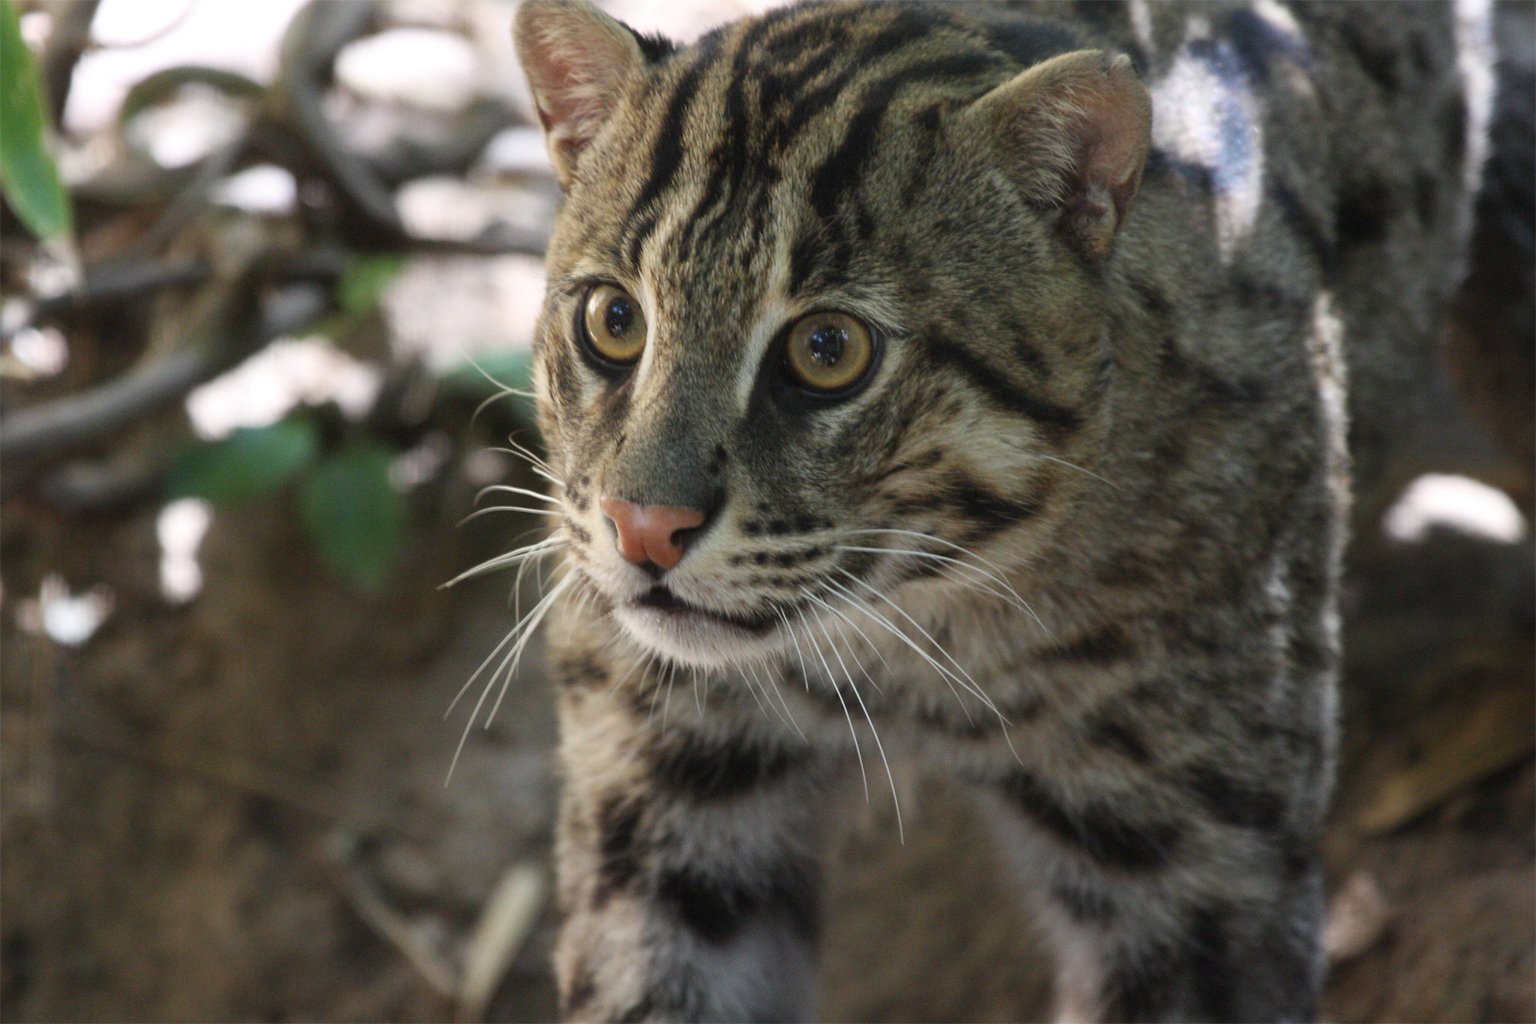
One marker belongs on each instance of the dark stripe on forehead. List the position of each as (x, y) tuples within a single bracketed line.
[(665, 156), (904, 30), (841, 169), (831, 28), (729, 158), (790, 62), (840, 173)]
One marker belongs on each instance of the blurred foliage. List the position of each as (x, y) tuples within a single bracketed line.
[(250, 463), (363, 283), (178, 285), (353, 514), (28, 176)]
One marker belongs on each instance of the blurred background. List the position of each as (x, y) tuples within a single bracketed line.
[(269, 272)]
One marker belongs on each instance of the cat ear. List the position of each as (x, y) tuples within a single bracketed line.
[(1074, 131), (578, 61)]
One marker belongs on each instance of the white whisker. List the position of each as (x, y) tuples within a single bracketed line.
[(539, 613), (523, 491), (900, 829), (778, 691), (837, 691), (474, 417), (477, 513), (504, 389), (805, 674), (521, 632), (641, 665), (518, 448), (1000, 577), (753, 691), (658, 684), (945, 673), (533, 462), (666, 702), (861, 633), (968, 682), (974, 584), (784, 716), (542, 549), (1069, 465)]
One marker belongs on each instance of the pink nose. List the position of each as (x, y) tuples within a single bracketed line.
[(650, 533)]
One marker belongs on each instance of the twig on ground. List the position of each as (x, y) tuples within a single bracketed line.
[(387, 922), (504, 928)]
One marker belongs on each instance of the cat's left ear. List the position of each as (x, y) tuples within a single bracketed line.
[(1074, 133), (578, 61)]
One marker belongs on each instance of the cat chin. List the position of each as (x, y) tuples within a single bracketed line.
[(694, 640)]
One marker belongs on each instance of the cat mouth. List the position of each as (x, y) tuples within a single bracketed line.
[(674, 609)]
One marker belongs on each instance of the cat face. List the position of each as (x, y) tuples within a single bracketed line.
[(816, 329)]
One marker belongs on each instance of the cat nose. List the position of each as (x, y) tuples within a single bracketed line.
[(651, 534)]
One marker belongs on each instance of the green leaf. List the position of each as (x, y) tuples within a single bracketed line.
[(352, 514), (28, 176), (365, 279), (247, 464)]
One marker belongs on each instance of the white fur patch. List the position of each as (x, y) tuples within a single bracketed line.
[(1475, 60), (1204, 113), (1325, 346)]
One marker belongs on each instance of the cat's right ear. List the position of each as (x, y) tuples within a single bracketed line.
[(578, 61), (1074, 133)]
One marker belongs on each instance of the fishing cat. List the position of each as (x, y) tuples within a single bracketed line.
[(983, 389)]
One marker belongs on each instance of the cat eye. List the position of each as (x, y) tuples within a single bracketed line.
[(829, 352), (612, 325)]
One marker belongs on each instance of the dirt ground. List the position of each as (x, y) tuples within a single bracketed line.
[(236, 809), (239, 808)]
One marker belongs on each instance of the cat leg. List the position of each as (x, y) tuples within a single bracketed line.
[(1176, 877), (689, 862), (1230, 936), (1242, 947)]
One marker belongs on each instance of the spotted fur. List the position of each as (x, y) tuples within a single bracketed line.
[(1077, 538)]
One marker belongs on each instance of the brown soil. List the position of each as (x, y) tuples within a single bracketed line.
[(236, 809), (194, 801)]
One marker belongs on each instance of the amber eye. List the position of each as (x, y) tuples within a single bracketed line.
[(829, 351), (613, 324)]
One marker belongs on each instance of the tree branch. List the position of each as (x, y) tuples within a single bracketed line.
[(71, 36), (406, 158), (108, 283), (316, 35), (239, 325)]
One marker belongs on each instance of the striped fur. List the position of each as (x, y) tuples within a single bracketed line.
[(1076, 539)]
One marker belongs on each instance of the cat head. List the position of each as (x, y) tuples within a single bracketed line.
[(824, 312)]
